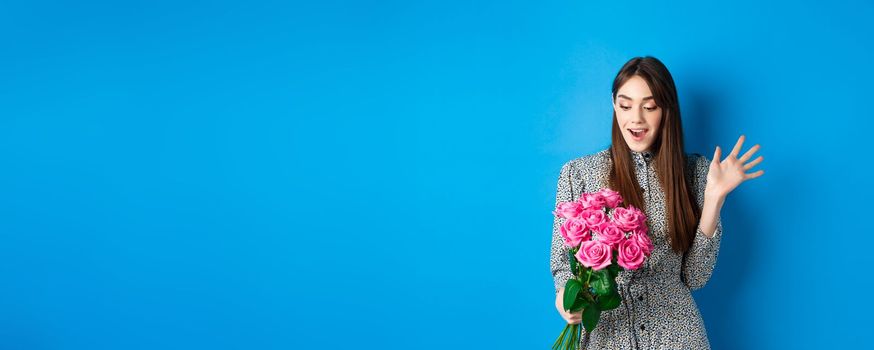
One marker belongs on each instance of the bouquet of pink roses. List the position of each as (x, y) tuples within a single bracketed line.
[(603, 238)]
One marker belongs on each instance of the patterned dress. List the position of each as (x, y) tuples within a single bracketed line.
[(657, 310)]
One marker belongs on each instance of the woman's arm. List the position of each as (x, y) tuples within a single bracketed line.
[(714, 181), (710, 214), (700, 260), (558, 261)]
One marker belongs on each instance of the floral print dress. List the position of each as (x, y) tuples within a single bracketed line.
[(657, 310)]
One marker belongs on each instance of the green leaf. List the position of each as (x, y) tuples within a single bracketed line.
[(574, 264), (602, 282), (571, 289), (579, 304), (614, 268), (590, 317), (609, 301)]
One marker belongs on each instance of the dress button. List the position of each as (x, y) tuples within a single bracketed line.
[(640, 298), (642, 327)]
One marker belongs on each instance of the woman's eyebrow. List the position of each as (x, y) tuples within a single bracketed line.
[(629, 98)]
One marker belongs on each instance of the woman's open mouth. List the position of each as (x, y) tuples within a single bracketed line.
[(638, 134)]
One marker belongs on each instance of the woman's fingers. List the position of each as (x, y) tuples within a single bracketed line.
[(573, 317), (574, 320), (753, 175), (737, 146), (753, 163), (749, 153)]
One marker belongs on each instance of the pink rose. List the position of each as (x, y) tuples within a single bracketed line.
[(594, 254), (610, 235), (642, 239), (574, 231), (568, 210), (611, 197), (630, 255), (593, 201), (641, 227), (641, 216), (593, 217), (626, 219)]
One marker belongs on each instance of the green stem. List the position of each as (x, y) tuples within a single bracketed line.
[(574, 339), (560, 340), (586, 287), (580, 332)]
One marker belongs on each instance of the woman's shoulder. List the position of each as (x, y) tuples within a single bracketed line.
[(589, 160), (697, 162)]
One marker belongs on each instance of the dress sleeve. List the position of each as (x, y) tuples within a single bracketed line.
[(700, 259), (558, 261)]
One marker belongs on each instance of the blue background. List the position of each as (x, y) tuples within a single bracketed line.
[(274, 175)]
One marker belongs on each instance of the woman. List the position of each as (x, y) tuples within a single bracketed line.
[(682, 196)]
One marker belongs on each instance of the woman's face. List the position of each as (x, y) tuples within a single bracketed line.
[(636, 110)]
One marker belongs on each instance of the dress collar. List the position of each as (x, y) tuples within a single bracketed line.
[(641, 158)]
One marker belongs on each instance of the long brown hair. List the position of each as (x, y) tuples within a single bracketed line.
[(669, 155)]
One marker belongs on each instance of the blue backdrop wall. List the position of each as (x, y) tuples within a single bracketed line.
[(274, 175)]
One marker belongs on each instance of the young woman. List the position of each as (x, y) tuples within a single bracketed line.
[(682, 195)]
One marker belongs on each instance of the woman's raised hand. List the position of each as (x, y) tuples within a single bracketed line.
[(725, 175)]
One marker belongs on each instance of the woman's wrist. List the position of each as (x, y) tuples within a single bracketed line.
[(710, 213)]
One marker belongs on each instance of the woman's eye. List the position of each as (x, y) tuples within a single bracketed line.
[(625, 108)]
